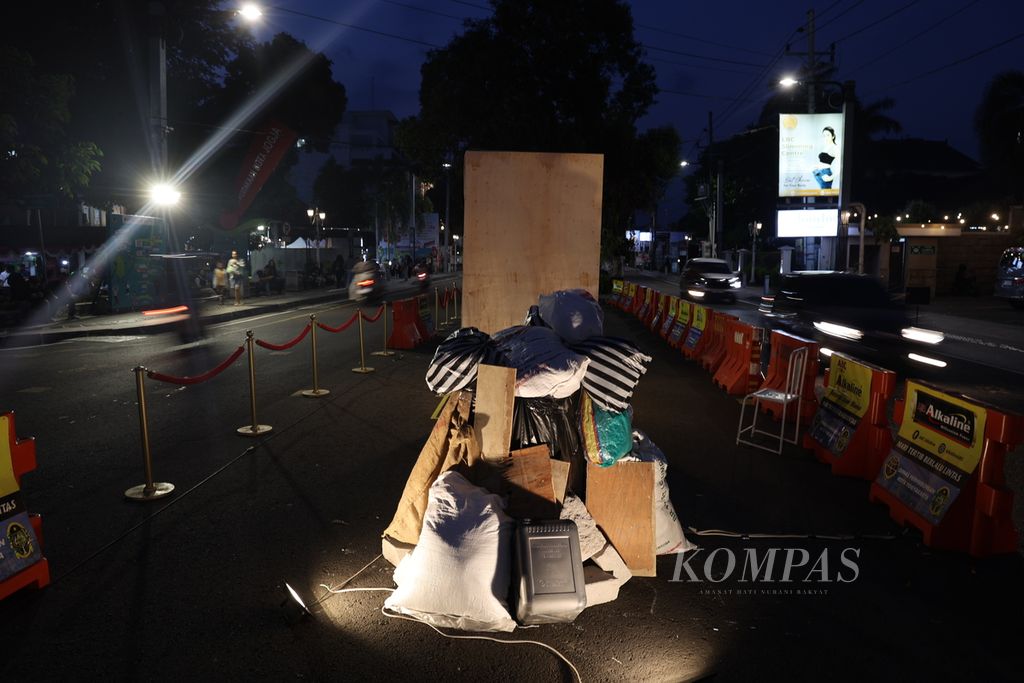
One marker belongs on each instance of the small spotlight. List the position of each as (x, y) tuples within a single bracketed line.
[(294, 608)]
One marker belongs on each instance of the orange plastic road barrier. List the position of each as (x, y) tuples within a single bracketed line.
[(617, 292), (408, 330), (715, 348), (669, 317), (697, 336), (681, 325), (628, 294), (850, 431), (740, 372), (782, 345), (659, 311), (979, 521), (18, 457), (646, 302)]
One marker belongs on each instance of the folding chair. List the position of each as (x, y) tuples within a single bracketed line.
[(793, 394)]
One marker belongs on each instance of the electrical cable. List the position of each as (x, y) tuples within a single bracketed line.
[(697, 56), (344, 583), (751, 535), (878, 21), (424, 9), (702, 40), (354, 26), (576, 671), (838, 16), (903, 43)]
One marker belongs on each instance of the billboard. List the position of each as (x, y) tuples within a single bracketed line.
[(808, 223), (810, 155)]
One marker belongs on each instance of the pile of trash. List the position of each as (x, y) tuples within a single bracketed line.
[(533, 497)]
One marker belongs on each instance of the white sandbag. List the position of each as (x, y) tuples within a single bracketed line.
[(668, 532), (458, 574), (572, 313), (544, 366)]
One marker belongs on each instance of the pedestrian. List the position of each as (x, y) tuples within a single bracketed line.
[(220, 280), (338, 270), (236, 272), (5, 273)]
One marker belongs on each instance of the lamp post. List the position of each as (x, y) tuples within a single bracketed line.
[(316, 217), (755, 230), (447, 227)]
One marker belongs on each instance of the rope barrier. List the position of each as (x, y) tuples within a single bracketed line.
[(160, 377), (340, 328), (287, 345), (380, 311)]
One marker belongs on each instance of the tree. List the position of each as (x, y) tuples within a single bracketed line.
[(999, 123), (547, 77)]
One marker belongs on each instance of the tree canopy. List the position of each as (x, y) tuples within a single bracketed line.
[(999, 123), (547, 77)]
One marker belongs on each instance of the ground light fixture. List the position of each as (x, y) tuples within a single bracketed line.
[(293, 607)]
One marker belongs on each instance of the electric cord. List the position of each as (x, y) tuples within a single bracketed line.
[(824, 537), (339, 589)]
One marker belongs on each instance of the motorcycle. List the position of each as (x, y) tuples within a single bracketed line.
[(422, 276), (366, 282)]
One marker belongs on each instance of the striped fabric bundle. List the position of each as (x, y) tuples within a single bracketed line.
[(616, 366), (455, 362)]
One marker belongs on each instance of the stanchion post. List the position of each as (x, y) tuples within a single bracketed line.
[(362, 369), (255, 429), (316, 391), (455, 298), (437, 310), (149, 490), (385, 352)]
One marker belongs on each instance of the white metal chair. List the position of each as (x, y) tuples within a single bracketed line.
[(793, 393)]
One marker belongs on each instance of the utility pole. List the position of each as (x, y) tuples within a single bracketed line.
[(812, 66), (412, 218), (716, 215), (158, 89)]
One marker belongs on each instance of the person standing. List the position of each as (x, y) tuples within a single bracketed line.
[(236, 272), (220, 280)]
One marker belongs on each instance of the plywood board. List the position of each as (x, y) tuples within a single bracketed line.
[(620, 498), (532, 227), (559, 479), (530, 493), (495, 395)]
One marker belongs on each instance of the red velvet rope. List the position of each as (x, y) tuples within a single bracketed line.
[(444, 299), (287, 345), (340, 328), (160, 377), (380, 312)]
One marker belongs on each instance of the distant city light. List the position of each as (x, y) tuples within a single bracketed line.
[(995, 216), (684, 163)]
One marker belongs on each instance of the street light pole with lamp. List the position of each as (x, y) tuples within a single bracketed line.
[(316, 217), (447, 227)]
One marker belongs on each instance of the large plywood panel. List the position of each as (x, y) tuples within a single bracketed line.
[(620, 498), (532, 226)]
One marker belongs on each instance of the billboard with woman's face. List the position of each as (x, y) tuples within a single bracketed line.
[(810, 155)]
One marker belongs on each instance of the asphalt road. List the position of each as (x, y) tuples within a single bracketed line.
[(189, 588)]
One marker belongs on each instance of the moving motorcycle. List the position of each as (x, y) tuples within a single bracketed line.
[(422, 276), (366, 282)]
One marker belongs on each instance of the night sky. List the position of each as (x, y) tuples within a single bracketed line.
[(919, 52)]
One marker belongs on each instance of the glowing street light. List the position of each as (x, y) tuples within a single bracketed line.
[(314, 215), (163, 194), (684, 163), (788, 82), (250, 11)]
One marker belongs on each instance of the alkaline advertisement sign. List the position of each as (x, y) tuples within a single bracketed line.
[(843, 405), (681, 323), (19, 547), (936, 450), (810, 154), (700, 319)]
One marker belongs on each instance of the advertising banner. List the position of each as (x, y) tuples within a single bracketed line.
[(682, 322), (810, 154), (807, 223), (137, 278), (268, 148), (700, 318), (843, 405), (936, 451), (19, 547)]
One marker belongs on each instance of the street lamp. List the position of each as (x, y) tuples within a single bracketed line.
[(164, 194), (447, 208), (316, 217)]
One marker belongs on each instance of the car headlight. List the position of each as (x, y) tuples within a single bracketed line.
[(840, 331), (922, 335), (695, 293), (735, 283)]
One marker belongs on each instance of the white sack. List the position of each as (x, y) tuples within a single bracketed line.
[(458, 574), (543, 364)]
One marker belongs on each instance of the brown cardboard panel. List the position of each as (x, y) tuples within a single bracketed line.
[(495, 395), (620, 498), (530, 493), (532, 226), (559, 479)]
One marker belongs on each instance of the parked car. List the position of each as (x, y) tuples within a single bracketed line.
[(850, 313), (1010, 277), (709, 279)]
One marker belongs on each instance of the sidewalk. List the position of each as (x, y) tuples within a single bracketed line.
[(211, 311)]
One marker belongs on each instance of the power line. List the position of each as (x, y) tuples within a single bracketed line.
[(914, 37), (828, 9), (840, 15), (694, 94), (691, 54), (471, 4), (702, 40), (355, 27), (708, 67), (951, 64), (424, 9), (879, 20)]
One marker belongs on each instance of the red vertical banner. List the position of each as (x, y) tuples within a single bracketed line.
[(268, 148)]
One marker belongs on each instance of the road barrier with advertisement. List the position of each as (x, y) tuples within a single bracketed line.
[(408, 329), (659, 313), (21, 533), (740, 371), (646, 305), (944, 474), (715, 348), (782, 345), (632, 303), (850, 431), (669, 317), (617, 293), (681, 325), (696, 339)]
